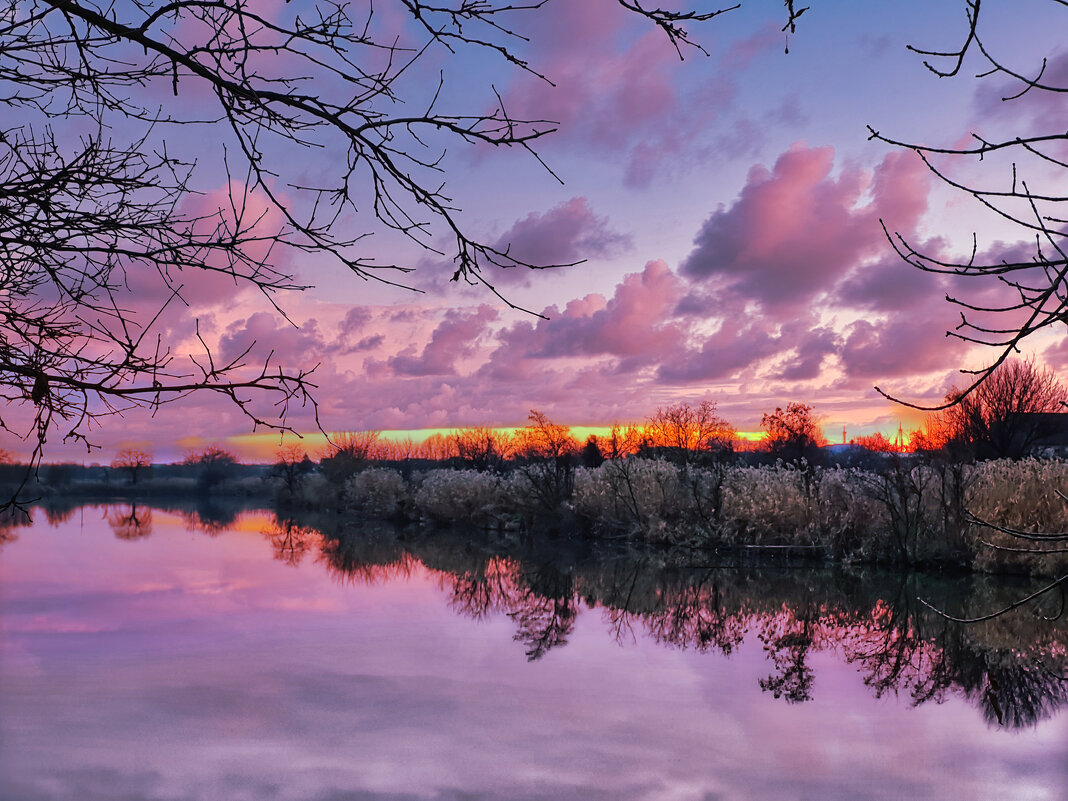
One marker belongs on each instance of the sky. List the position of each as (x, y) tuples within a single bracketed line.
[(727, 210)]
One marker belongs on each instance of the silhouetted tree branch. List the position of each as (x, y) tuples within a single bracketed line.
[(1035, 296), (106, 220)]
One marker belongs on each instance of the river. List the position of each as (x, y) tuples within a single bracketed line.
[(176, 655)]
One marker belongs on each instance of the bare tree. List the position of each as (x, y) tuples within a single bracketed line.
[(792, 433), (481, 447), (1008, 414), (690, 433), (1025, 189), (214, 464), (97, 193), (133, 461), (349, 453), (291, 464), (547, 453)]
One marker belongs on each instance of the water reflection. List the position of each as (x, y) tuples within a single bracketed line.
[(1011, 668), (12, 518), (210, 515), (130, 521), (292, 541)]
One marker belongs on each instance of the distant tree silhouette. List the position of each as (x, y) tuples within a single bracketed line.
[(547, 453), (792, 433), (437, 448), (686, 433), (591, 455), (1006, 415), (133, 461), (622, 441), (349, 453), (482, 448), (214, 464), (291, 463), (875, 442)]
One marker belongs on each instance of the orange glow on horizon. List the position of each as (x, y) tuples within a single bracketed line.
[(262, 448)]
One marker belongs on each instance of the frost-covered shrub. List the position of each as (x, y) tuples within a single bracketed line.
[(461, 496), (1023, 496), (316, 492), (767, 503), (802, 505), (379, 491), (850, 523), (780, 504), (641, 496)]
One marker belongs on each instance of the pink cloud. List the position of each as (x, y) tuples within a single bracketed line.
[(457, 337), (796, 229), (888, 285), (813, 347), (738, 343), (634, 326), (898, 347), (291, 345), (566, 233), (231, 209), (613, 90)]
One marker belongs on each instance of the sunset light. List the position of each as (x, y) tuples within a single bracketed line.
[(723, 216), (565, 399)]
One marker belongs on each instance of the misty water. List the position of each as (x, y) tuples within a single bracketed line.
[(191, 654)]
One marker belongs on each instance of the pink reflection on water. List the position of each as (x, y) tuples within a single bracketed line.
[(186, 666)]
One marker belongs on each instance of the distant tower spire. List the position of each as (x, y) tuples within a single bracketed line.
[(844, 440), (900, 438)]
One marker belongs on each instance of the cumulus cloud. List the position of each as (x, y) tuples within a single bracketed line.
[(740, 341), (615, 86), (888, 285), (455, 338), (814, 347), (902, 345), (566, 233), (797, 228), (634, 326), (290, 344)]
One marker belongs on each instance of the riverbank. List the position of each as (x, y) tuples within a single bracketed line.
[(900, 511)]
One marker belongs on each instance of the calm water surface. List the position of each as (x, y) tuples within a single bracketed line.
[(149, 654)]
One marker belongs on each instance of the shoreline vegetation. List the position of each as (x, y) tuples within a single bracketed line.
[(679, 480)]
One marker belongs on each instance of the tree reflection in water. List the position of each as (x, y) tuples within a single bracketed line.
[(12, 517), (544, 609), (210, 516), (130, 521), (291, 541), (1010, 668), (788, 640)]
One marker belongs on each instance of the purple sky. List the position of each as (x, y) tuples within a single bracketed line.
[(728, 208)]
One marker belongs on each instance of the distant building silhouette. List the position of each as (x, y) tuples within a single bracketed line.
[(1047, 432)]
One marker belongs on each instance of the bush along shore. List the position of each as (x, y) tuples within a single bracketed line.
[(903, 509)]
